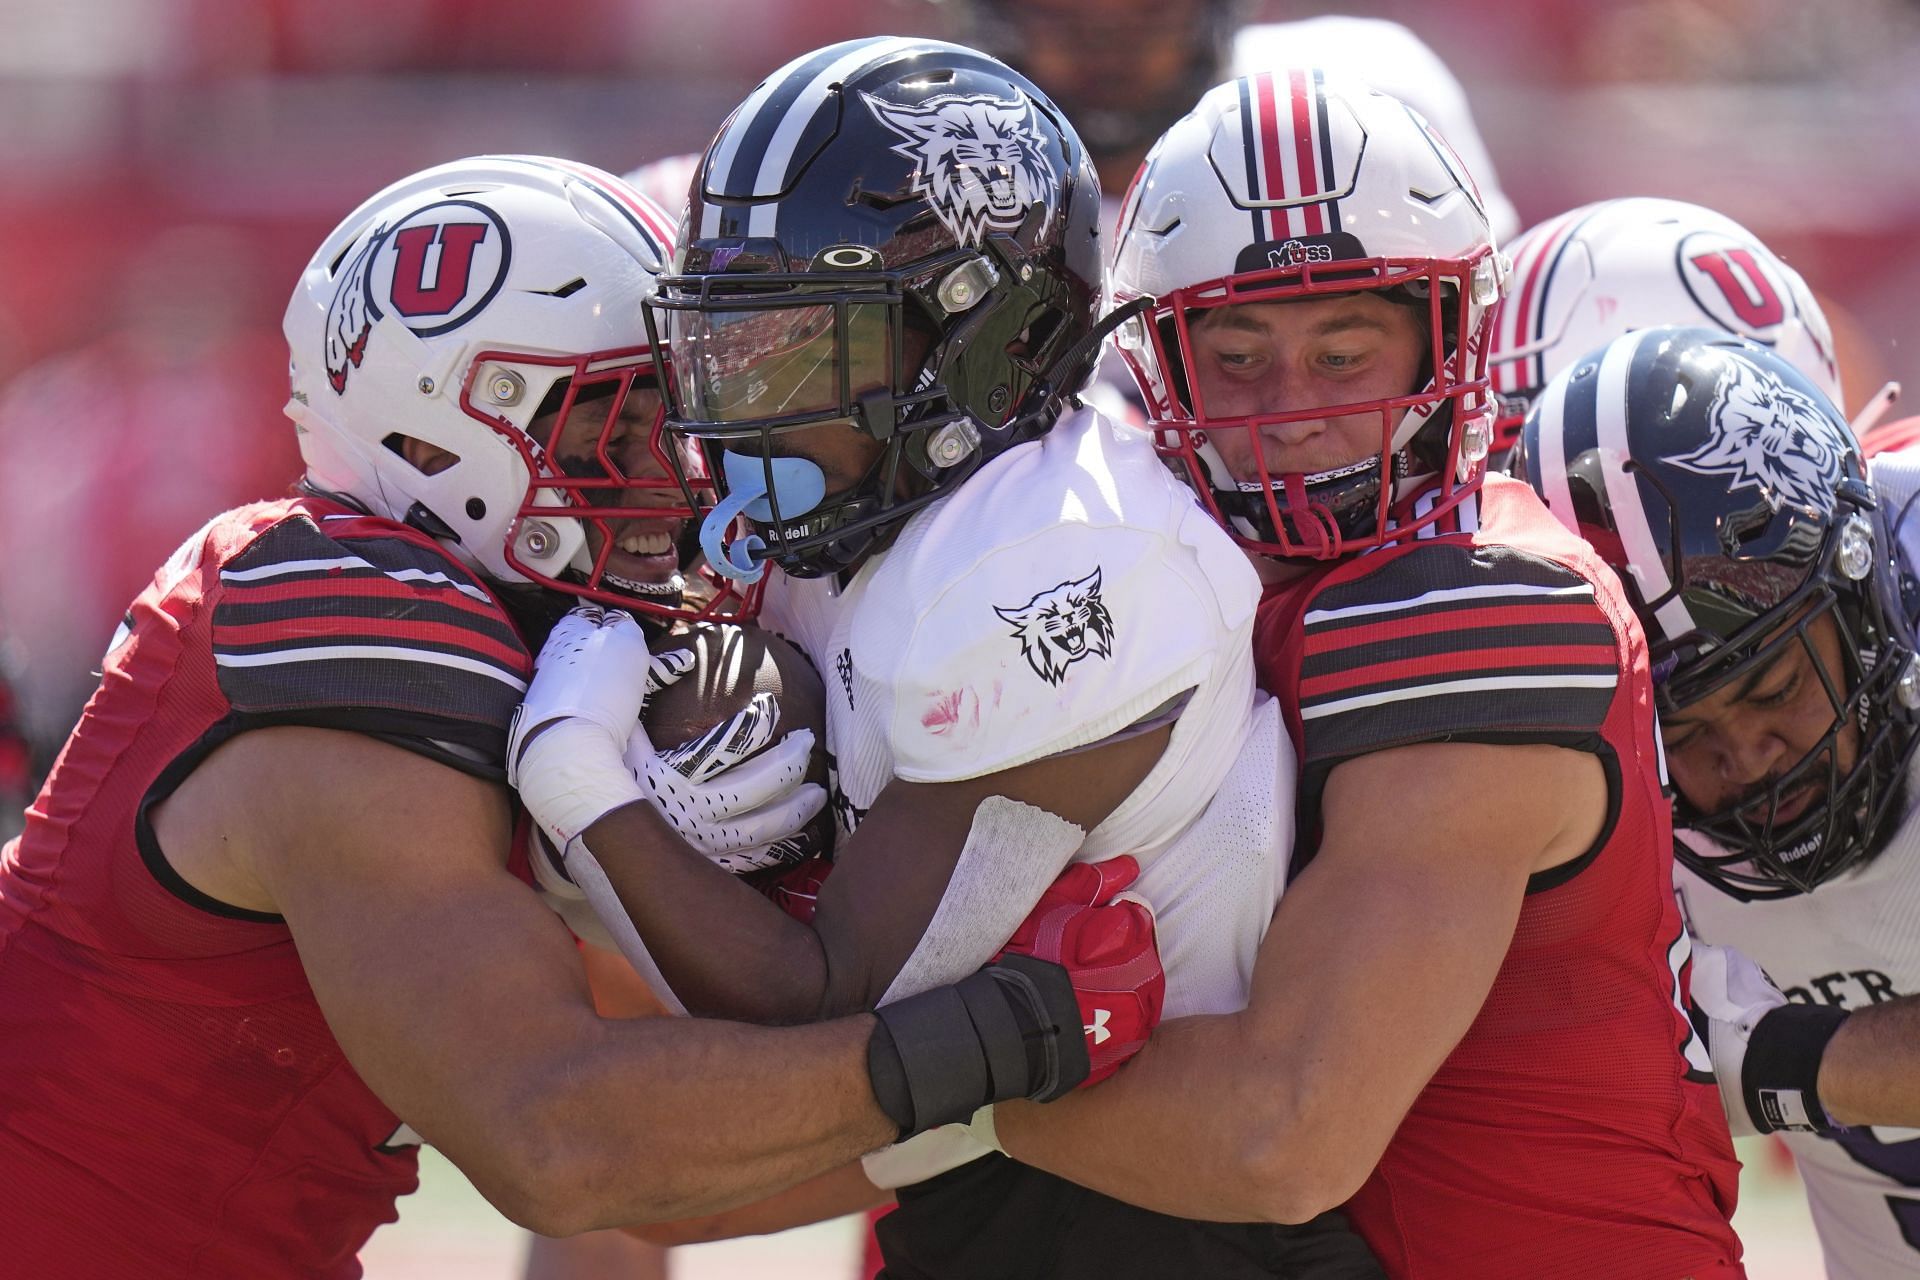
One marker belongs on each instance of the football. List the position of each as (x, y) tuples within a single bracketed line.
[(733, 663)]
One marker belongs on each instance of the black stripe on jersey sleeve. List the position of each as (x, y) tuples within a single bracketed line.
[(401, 657), (437, 700), (239, 608), (1579, 629), (1555, 715), (1528, 657), (1438, 566)]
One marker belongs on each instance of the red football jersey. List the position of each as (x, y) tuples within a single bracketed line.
[(1576, 1129), (175, 1104)]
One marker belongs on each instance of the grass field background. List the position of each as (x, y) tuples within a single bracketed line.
[(447, 1232)]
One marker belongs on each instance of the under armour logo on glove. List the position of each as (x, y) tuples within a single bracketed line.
[(1106, 944)]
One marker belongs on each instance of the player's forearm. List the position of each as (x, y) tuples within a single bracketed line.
[(1186, 1128), (726, 950), (831, 1195), (1870, 1072), (667, 1119)]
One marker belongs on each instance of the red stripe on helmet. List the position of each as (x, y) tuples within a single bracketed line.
[(1304, 153), (1275, 186)]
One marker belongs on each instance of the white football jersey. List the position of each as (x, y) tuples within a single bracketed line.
[(1070, 589), (1852, 942)]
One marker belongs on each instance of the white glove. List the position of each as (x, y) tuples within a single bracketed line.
[(744, 814), (590, 683), (1734, 994), (578, 751)]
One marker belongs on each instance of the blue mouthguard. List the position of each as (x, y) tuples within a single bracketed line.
[(798, 484)]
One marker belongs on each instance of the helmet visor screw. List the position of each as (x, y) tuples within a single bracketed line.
[(538, 538), (505, 387), (1854, 557)]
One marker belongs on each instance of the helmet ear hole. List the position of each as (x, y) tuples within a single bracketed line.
[(427, 459)]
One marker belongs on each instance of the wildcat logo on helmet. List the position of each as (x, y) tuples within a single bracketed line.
[(1062, 625), (980, 161), (436, 269), (1771, 437)]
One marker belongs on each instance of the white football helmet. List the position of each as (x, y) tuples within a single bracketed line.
[(1392, 58), (1295, 184), (474, 307), (1588, 276)]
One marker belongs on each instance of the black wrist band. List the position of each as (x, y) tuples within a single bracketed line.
[(1780, 1076), (1011, 1030), (888, 1076)]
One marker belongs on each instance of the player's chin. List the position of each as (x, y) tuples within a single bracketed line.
[(650, 580)]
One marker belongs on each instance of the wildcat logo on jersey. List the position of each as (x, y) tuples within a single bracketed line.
[(1062, 625), (1771, 437), (979, 160)]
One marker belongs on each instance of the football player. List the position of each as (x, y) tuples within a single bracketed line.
[(1467, 1020), (262, 934), (1787, 698), (1036, 646)]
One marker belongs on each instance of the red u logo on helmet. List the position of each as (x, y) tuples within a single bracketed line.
[(1745, 285), (413, 296)]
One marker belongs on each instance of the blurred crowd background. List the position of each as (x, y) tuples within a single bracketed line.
[(170, 164)]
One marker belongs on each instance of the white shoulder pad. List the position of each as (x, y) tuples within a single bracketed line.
[(1059, 596)]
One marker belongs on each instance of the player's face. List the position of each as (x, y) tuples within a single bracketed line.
[(1734, 744), (1282, 357), (845, 451), (645, 550)]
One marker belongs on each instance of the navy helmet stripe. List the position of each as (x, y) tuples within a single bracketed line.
[(754, 122), (1326, 148), (1248, 148)]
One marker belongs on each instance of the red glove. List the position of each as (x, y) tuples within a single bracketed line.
[(1108, 949)]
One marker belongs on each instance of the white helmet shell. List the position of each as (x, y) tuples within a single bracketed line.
[(1586, 277), (1296, 183), (446, 309), (1393, 59)]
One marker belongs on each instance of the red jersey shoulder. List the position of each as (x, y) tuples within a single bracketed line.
[(322, 615), (1499, 632)]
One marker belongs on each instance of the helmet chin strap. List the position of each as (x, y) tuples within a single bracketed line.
[(798, 487)]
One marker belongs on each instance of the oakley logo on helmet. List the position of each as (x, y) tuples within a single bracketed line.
[(1062, 625), (1730, 285), (1769, 436), (980, 161)]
